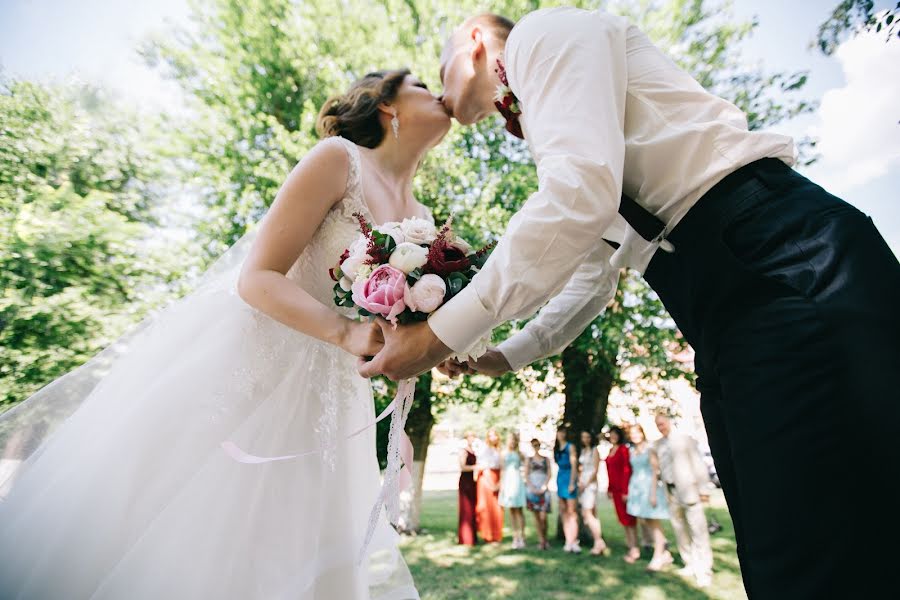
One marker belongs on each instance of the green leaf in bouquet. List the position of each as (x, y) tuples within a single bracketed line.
[(383, 240), (364, 313), (339, 294), (455, 283), (413, 276)]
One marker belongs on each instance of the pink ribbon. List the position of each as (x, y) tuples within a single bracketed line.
[(397, 475)]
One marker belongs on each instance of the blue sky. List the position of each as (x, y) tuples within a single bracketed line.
[(859, 88)]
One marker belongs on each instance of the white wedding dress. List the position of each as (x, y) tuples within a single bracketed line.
[(117, 486)]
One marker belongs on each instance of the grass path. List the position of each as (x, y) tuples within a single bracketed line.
[(445, 571)]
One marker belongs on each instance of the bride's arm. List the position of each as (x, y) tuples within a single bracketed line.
[(309, 192)]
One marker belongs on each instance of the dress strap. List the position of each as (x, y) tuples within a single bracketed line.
[(354, 183)]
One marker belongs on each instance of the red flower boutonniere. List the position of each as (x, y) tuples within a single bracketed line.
[(507, 103)]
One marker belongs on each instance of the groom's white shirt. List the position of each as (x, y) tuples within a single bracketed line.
[(604, 111)]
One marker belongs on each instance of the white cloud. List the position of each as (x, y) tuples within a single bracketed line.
[(858, 130)]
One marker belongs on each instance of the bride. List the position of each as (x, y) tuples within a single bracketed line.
[(117, 485)]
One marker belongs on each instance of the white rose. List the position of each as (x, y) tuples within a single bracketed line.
[(358, 255), (359, 247), (426, 295), (351, 266), (393, 229), (418, 230), (345, 283), (408, 257)]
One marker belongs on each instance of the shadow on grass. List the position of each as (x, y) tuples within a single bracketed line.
[(444, 570)]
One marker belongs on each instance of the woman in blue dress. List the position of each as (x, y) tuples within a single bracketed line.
[(512, 489), (566, 458), (647, 497)]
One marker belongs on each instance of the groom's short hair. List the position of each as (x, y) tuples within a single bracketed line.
[(497, 25)]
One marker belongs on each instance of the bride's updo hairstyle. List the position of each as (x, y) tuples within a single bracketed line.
[(354, 115)]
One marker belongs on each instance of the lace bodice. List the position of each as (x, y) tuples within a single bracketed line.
[(336, 232)]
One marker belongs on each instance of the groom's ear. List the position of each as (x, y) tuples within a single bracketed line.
[(478, 49)]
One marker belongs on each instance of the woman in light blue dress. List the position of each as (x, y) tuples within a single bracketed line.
[(512, 489), (566, 460), (646, 496)]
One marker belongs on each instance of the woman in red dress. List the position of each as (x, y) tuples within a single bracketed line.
[(488, 511), (467, 493), (618, 467)]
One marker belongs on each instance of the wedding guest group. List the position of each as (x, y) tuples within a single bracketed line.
[(648, 484)]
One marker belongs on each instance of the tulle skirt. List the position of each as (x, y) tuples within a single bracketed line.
[(118, 488)]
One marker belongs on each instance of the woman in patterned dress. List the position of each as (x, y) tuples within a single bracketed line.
[(537, 496)]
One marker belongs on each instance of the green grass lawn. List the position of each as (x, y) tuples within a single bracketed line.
[(445, 571)]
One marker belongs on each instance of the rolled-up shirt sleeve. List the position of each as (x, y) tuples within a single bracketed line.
[(584, 297), (569, 73)]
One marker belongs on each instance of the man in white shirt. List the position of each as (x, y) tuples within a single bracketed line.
[(787, 294), (687, 483)]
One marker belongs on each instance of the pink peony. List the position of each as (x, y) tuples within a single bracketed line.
[(427, 294), (382, 292)]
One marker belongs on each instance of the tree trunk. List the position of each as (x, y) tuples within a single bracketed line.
[(418, 428), (587, 391), (587, 395)]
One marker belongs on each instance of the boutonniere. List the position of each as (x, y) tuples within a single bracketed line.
[(507, 103)]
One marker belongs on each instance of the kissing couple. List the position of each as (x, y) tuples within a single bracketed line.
[(785, 292)]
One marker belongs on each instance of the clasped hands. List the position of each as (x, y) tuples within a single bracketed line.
[(410, 350)]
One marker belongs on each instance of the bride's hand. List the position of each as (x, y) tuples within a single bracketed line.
[(362, 338)]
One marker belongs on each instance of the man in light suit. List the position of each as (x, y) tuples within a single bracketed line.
[(687, 482)]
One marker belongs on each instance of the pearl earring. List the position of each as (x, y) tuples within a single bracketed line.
[(395, 124)]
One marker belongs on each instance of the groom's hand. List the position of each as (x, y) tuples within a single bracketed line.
[(453, 368), (491, 363), (409, 350)]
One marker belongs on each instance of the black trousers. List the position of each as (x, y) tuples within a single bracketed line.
[(791, 300)]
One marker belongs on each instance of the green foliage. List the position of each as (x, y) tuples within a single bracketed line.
[(75, 205), (853, 16)]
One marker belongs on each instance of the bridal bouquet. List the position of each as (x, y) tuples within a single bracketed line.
[(404, 271)]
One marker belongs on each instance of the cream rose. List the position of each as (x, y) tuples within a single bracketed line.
[(427, 294), (408, 257), (393, 229), (418, 231)]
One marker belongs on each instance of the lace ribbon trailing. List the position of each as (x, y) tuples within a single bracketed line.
[(397, 476)]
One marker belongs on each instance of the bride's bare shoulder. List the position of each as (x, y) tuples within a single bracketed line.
[(325, 168), (332, 152)]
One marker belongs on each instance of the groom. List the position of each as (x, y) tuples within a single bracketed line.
[(788, 295)]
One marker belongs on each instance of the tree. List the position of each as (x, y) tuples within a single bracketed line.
[(854, 16), (76, 204)]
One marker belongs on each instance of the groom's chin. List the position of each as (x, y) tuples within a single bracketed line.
[(466, 118)]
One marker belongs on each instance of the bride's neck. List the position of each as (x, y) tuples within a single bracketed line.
[(398, 160)]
